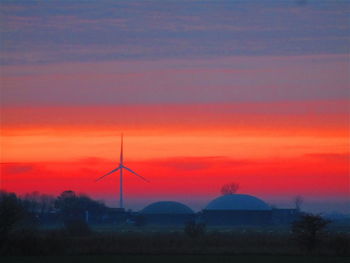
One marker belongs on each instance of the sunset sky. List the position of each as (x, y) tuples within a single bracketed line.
[(206, 93)]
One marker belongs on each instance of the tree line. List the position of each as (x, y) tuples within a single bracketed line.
[(19, 216), (36, 208)]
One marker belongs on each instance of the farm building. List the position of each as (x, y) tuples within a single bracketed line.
[(115, 216), (241, 209), (284, 216), (167, 213)]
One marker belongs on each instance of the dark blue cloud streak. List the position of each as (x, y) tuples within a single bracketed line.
[(60, 31)]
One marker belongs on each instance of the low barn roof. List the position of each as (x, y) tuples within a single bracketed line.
[(167, 207), (237, 202)]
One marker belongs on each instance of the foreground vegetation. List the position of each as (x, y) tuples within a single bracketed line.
[(178, 258), (22, 235), (131, 240)]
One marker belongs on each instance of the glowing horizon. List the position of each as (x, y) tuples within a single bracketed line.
[(315, 156)]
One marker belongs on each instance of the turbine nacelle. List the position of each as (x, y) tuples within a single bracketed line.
[(122, 167)]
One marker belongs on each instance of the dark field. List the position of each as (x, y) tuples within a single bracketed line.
[(113, 242), (178, 258)]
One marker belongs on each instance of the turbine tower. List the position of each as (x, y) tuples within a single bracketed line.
[(120, 167)]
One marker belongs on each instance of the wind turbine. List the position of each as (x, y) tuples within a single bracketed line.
[(120, 167)]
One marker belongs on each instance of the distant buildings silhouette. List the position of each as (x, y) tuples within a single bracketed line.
[(228, 209), (231, 209)]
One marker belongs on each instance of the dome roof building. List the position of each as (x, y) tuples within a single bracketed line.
[(237, 209), (238, 202), (167, 213), (167, 207)]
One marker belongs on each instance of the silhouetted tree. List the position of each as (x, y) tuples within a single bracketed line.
[(298, 201), (11, 212), (37, 203), (68, 205), (73, 207), (229, 189), (307, 230), (30, 202)]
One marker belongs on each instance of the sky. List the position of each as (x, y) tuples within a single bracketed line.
[(205, 92)]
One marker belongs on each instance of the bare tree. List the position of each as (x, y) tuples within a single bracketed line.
[(307, 230), (298, 201), (47, 203), (229, 189), (38, 203)]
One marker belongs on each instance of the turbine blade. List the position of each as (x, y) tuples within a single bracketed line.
[(131, 171), (116, 169), (121, 149)]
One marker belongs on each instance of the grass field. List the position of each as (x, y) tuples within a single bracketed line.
[(178, 258), (170, 244), (117, 240)]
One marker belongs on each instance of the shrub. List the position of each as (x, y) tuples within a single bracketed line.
[(307, 230), (193, 229)]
